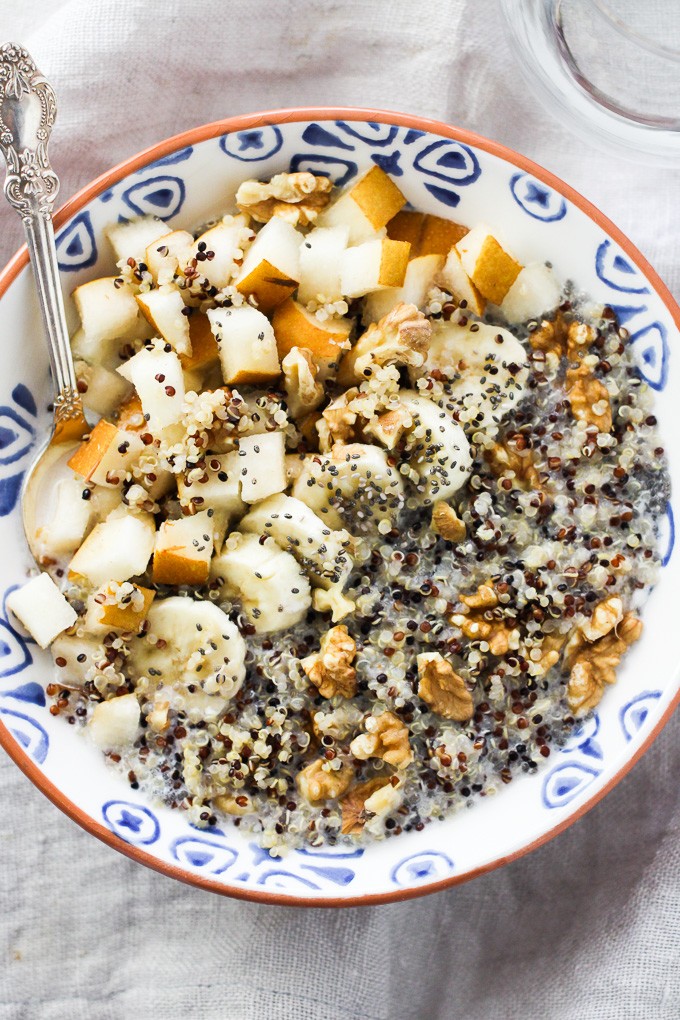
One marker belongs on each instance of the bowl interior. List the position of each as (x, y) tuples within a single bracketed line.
[(443, 171)]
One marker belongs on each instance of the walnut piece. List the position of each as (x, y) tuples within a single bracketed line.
[(331, 600), (589, 400), (234, 804), (480, 625), (484, 598), (297, 198), (386, 737), (594, 665), (402, 337), (447, 523), (442, 689), (511, 456), (389, 427), (338, 421), (331, 670), (550, 337), (317, 781), (606, 615), (551, 649), (354, 815), (304, 392)]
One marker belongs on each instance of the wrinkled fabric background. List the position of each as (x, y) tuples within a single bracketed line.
[(587, 927)]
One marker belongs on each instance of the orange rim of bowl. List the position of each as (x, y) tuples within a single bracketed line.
[(286, 116)]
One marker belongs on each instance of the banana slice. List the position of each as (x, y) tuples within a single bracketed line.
[(268, 582), (486, 369), (436, 447), (354, 483), (194, 651), (322, 552)]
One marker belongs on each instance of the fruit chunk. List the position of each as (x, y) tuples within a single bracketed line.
[(101, 389), (366, 206), (247, 345), (128, 611), (297, 529), (106, 455), (294, 326), (108, 313), (42, 609), (268, 582), (204, 349), (271, 267), (454, 278), (195, 651), (320, 256), (68, 522), (374, 265), (157, 376), (225, 242), (164, 309), (488, 265), (182, 550), (436, 446), (419, 279), (169, 255), (427, 234), (262, 465), (77, 656), (534, 292), (119, 547), (114, 723), (131, 239), (217, 488)]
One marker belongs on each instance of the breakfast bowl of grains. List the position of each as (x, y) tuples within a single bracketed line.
[(360, 584)]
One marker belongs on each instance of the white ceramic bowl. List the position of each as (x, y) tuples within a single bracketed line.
[(442, 170)]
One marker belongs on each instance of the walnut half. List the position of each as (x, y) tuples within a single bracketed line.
[(298, 198), (447, 523), (442, 689), (331, 669), (386, 737), (318, 781), (594, 665)]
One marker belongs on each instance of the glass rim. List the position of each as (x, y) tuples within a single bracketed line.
[(640, 39)]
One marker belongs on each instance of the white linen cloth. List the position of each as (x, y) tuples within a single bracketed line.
[(587, 927)]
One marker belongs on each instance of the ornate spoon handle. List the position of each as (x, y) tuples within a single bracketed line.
[(27, 112)]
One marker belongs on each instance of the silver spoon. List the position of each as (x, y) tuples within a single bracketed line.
[(27, 112)]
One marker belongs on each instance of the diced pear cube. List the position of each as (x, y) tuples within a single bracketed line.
[(120, 547), (534, 292), (106, 456), (374, 265), (182, 550), (365, 206), (454, 278), (169, 255), (218, 489), (262, 465), (42, 609), (224, 242), (101, 389), (320, 257), (108, 311), (157, 376), (164, 309), (247, 345), (127, 613), (427, 234), (204, 349), (488, 265), (114, 723), (419, 279), (294, 326), (76, 656), (271, 268), (68, 522), (131, 239)]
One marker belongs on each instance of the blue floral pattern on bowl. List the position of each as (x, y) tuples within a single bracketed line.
[(450, 177)]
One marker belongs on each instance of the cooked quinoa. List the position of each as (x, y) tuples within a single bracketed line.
[(456, 612)]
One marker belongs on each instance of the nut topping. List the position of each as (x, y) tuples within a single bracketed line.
[(447, 523), (354, 812), (386, 737), (442, 689), (298, 198), (331, 670), (318, 781), (594, 665)]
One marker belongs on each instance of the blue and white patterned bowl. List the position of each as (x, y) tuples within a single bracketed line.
[(441, 170)]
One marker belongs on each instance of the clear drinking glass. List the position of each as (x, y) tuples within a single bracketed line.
[(608, 68)]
